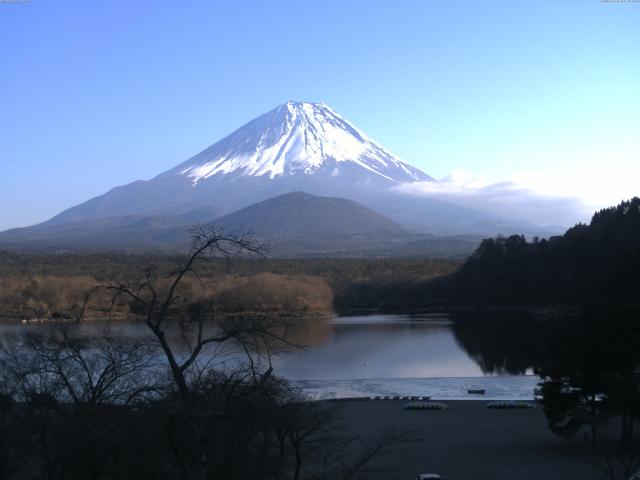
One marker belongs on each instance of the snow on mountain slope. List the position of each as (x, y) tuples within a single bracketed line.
[(297, 138), (296, 147)]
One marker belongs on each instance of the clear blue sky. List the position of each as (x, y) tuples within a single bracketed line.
[(98, 94)]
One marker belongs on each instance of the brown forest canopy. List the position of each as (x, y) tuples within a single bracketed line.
[(36, 285)]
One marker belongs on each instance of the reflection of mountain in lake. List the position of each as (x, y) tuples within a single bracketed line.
[(502, 342)]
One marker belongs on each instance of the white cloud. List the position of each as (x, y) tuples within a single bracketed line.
[(560, 185), (597, 187), (544, 200)]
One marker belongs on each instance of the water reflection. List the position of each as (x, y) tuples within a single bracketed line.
[(502, 343), (378, 346), (388, 346)]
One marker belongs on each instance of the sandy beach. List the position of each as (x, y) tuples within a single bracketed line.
[(468, 441)]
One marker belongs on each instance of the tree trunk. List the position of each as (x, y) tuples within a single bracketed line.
[(594, 425), (626, 429), (296, 473), (176, 372), (174, 446)]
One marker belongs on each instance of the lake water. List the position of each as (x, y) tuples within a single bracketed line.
[(379, 346), (402, 355), (392, 355)]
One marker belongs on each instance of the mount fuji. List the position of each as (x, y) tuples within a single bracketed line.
[(296, 147), (299, 139)]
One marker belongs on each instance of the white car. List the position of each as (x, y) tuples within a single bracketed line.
[(429, 476)]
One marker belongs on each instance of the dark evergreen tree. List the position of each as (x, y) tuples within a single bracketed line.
[(591, 372), (595, 262)]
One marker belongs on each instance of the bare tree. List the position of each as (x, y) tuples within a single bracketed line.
[(615, 459), (314, 433), (61, 362), (163, 308), (307, 424), (351, 457), (220, 412), (62, 386), (13, 456), (185, 329)]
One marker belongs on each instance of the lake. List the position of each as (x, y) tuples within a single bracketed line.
[(378, 346), (391, 355), (382, 355)]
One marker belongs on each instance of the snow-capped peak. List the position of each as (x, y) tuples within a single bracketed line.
[(297, 138)]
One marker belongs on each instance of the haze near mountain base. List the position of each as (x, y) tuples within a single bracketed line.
[(296, 147)]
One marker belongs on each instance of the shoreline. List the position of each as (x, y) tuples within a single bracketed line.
[(504, 387), (539, 312)]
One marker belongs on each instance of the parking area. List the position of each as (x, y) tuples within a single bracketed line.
[(468, 441)]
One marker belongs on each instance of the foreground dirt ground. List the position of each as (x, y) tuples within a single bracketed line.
[(468, 441)]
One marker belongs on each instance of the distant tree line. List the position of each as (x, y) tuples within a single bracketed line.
[(39, 285), (595, 262)]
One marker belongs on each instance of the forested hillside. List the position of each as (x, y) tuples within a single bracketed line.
[(595, 262)]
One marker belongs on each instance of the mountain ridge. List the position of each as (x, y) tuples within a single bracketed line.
[(302, 214), (295, 224), (298, 146)]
